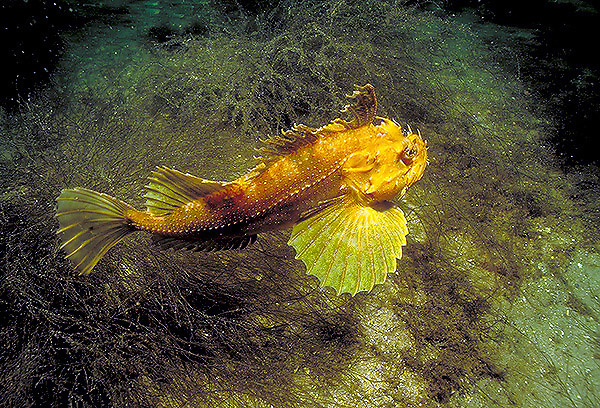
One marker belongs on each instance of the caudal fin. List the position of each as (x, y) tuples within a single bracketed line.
[(90, 223)]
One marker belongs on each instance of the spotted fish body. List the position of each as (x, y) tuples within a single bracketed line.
[(343, 174)]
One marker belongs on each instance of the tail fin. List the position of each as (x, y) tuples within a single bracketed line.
[(90, 224)]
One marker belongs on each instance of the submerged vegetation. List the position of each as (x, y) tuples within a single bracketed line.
[(494, 293)]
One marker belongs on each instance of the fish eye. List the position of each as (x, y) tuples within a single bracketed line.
[(408, 155)]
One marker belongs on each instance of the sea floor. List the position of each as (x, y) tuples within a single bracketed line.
[(494, 302)]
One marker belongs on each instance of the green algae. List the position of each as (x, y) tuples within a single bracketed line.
[(494, 297)]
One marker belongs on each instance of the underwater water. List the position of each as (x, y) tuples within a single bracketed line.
[(495, 300)]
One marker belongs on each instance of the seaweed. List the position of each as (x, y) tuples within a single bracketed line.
[(495, 226)]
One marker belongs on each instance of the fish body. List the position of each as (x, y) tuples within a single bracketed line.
[(343, 174)]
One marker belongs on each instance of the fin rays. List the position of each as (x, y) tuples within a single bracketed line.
[(206, 245), (90, 223), (170, 189), (350, 247), (363, 111)]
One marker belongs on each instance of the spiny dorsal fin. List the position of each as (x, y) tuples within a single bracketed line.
[(170, 189), (363, 111), (364, 107), (288, 142)]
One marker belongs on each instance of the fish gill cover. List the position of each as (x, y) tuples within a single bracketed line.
[(494, 302)]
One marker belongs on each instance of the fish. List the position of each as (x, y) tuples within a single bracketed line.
[(335, 186)]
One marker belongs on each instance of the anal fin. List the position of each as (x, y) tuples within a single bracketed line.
[(207, 245), (349, 246)]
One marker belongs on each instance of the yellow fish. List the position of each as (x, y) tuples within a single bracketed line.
[(332, 184)]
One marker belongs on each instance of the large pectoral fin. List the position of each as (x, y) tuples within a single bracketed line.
[(351, 247)]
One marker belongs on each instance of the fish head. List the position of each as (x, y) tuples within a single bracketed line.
[(392, 161)]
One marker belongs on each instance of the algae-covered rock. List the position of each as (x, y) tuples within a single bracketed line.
[(494, 302)]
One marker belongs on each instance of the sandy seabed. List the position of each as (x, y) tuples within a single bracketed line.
[(494, 302)]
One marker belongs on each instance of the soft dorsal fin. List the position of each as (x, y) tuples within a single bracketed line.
[(363, 109), (170, 189)]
